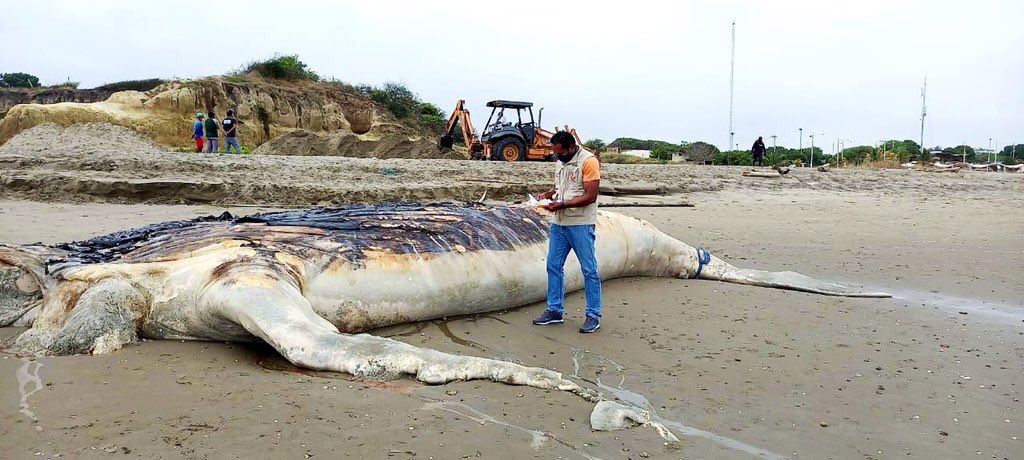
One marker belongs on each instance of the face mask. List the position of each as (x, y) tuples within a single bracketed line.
[(567, 157)]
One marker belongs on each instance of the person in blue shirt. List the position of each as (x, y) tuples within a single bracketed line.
[(197, 132)]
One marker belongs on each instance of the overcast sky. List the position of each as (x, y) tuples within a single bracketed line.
[(630, 69)]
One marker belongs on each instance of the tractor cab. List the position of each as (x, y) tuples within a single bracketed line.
[(514, 135), (507, 136)]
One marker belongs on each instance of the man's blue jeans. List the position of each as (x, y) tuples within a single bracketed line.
[(580, 239), (231, 141)]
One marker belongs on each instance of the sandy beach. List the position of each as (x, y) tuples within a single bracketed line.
[(735, 371)]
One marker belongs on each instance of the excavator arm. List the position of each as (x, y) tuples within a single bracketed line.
[(461, 117)]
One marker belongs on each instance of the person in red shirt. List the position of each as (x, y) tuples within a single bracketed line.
[(197, 132)]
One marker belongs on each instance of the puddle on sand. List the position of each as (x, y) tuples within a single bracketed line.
[(28, 383), (584, 359), (985, 308), (416, 329), (443, 326), (537, 438), (499, 355)]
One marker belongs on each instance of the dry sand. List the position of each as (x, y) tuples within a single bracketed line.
[(934, 373), (102, 163)]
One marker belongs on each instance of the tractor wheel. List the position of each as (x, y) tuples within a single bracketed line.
[(509, 149)]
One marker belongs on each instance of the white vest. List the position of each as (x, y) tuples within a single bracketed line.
[(569, 185)]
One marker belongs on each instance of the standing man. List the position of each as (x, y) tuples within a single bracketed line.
[(197, 132), (758, 151), (574, 202), (230, 125), (212, 132)]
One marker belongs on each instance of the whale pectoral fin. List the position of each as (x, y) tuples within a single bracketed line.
[(795, 281), (105, 318), (282, 317)]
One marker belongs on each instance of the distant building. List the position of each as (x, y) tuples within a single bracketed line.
[(946, 157), (636, 153)]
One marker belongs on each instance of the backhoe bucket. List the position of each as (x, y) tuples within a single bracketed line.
[(445, 143)]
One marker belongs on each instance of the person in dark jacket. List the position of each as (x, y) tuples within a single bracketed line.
[(758, 151), (212, 129)]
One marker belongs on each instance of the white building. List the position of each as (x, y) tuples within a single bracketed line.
[(637, 153)]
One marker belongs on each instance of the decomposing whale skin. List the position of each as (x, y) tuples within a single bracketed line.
[(309, 282)]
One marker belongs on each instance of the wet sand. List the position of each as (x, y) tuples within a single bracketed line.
[(732, 370)]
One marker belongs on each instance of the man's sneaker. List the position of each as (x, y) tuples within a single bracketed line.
[(590, 325), (548, 317)]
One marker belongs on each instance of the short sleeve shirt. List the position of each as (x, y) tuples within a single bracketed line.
[(591, 169)]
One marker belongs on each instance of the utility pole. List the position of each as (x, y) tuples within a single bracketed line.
[(732, 74), (965, 151), (801, 142), (924, 91), (775, 148), (812, 150)]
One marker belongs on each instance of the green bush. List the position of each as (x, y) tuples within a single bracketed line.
[(595, 145), (661, 153), (398, 99), (628, 143), (393, 97), (403, 104), (612, 158), (133, 85), (775, 158), (346, 87), (18, 80), (236, 78), (279, 67), (431, 117), (734, 157), (68, 84)]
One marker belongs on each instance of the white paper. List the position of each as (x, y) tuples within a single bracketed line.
[(532, 201)]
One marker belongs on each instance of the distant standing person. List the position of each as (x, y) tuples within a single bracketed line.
[(230, 126), (197, 132), (758, 151), (212, 133)]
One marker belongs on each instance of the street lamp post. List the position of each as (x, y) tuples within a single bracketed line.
[(801, 142), (839, 154), (842, 146), (812, 150)]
